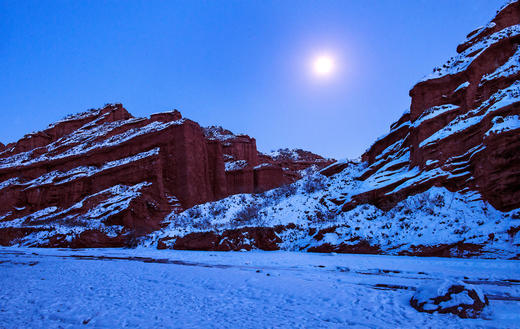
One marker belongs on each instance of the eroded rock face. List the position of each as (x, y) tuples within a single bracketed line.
[(454, 297), (104, 178), (249, 171), (463, 127)]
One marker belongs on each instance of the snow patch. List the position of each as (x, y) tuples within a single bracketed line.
[(235, 165), (509, 69), (460, 62), (461, 86), (504, 124), (500, 99)]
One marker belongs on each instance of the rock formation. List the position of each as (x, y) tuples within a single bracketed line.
[(456, 297), (445, 181), (462, 130), (105, 172)]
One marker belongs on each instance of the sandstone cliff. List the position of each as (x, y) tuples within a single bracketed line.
[(104, 177), (461, 131)]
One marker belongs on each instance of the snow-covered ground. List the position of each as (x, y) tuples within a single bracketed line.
[(144, 288), (431, 218)]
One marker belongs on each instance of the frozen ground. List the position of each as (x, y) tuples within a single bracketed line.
[(113, 288)]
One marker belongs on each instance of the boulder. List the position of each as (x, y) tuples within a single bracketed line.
[(456, 297)]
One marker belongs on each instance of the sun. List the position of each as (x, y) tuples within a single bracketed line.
[(323, 65)]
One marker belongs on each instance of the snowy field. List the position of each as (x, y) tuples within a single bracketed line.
[(144, 288)]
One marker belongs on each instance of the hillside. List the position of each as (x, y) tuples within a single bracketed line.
[(445, 181)]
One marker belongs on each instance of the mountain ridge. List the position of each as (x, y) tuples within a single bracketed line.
[(445, 180)]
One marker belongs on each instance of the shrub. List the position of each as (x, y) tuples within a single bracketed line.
[(216, 209), (313, 183), (247, 213), (203, 224), (285, 191), (194, 212), (179, 221), (325, 215)]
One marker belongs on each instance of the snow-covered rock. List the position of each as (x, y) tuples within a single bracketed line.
[(456, 297)]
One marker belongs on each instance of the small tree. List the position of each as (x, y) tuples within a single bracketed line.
[(313, 183)]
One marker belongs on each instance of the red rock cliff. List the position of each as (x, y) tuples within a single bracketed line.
[(106, 175), (462, 130)]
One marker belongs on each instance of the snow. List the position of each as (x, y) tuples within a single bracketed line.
[(10, 181), (433, 112), (218, 133), (504, 124), (78, 116), (90, 137), (340, 162), (478, 31), (497, 101), (72, 221), (462, 86), (285, 153), (296, 154), (141, 288), (507, 4), (235, 165), (431, 218), (460, 62), (58, 177), (163, 112), (263, 165), (510, 68), (457, 299), (427, 294)]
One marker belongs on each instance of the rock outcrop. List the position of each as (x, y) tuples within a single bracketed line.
[(108, 172), (462, 130), (249, 171), (230, 240)]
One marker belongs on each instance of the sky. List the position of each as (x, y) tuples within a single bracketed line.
[(244, 65)]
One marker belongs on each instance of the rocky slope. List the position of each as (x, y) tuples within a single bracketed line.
[(104, 177), (461, 130), (444, 181)]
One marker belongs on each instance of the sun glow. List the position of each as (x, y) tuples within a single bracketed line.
[(323, 65)]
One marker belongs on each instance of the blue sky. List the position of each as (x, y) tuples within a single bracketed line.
[(244, 65)]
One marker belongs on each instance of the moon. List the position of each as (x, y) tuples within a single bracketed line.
[(323, 65)]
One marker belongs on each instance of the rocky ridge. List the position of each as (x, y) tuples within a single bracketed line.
[(104, 177), (445, 181)]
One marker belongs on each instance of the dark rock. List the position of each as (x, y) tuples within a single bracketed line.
[(454, 297), (247, 238)]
